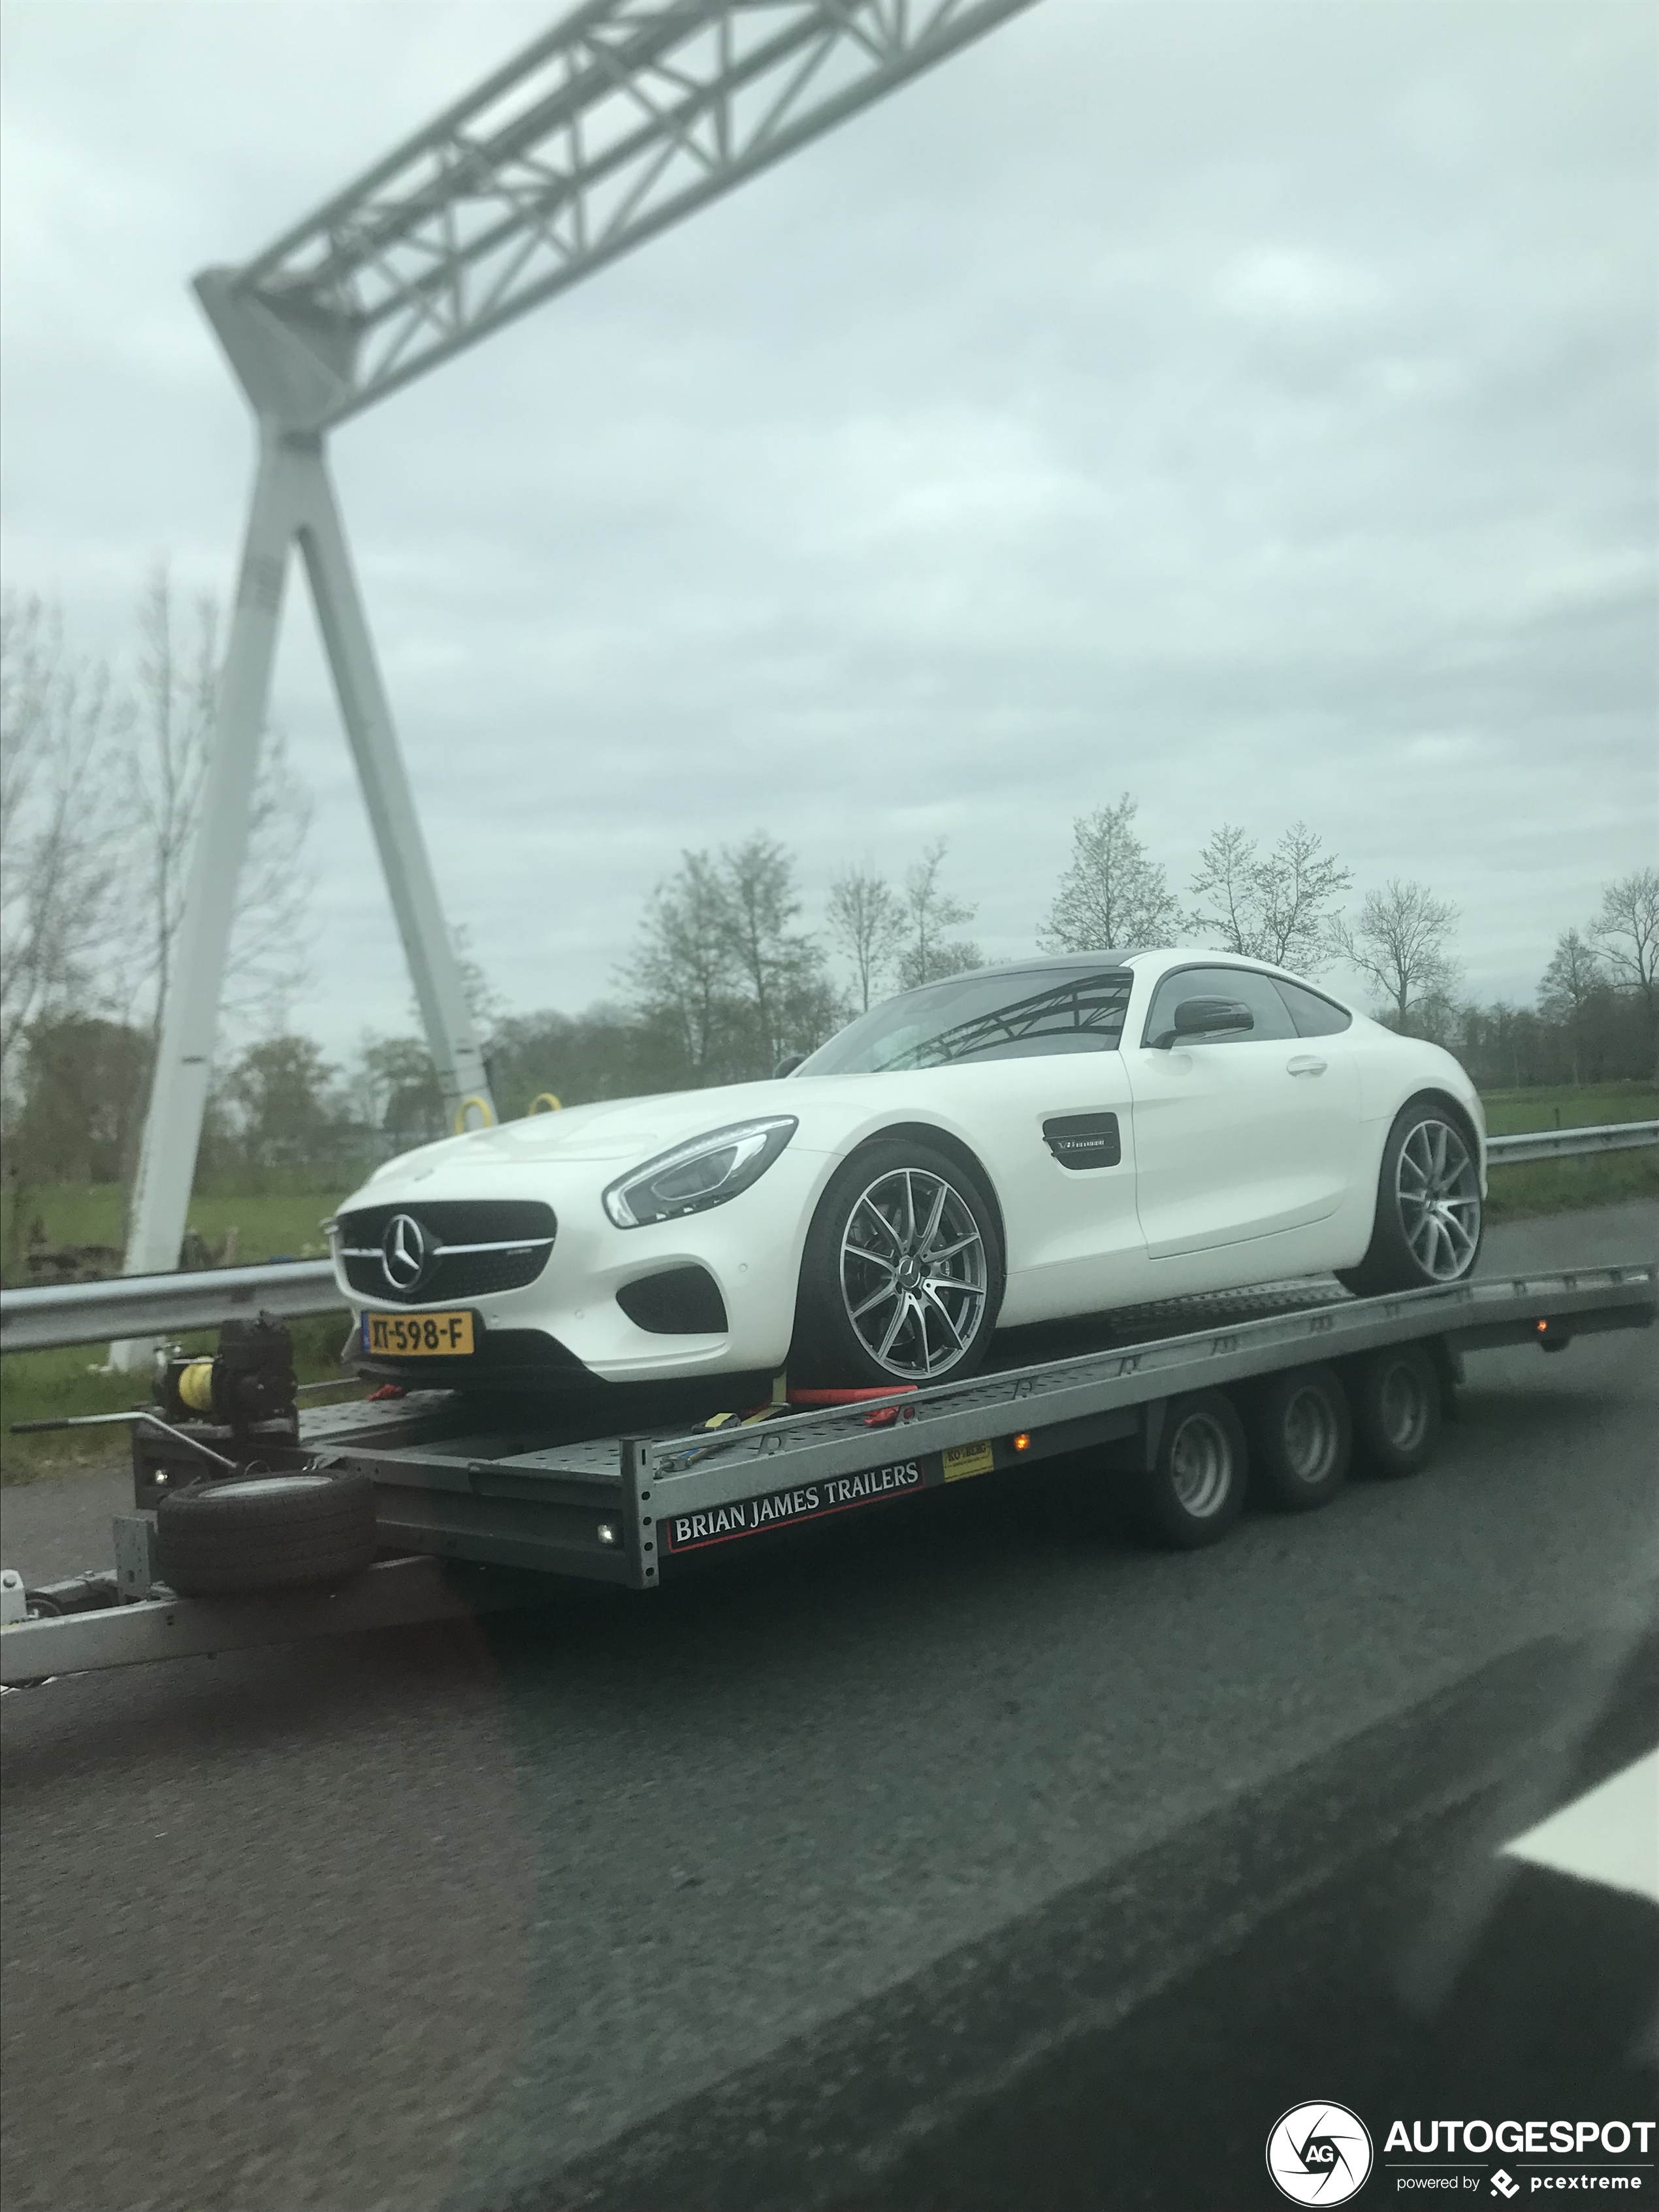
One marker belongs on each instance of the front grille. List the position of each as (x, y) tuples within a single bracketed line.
[(516, 1237)]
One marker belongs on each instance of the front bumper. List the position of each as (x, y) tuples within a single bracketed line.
[(751, 1248)]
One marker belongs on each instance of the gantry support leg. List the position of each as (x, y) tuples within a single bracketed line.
[(292, 498), (390, 803)]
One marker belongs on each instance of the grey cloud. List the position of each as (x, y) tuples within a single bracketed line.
[(1249, 403)]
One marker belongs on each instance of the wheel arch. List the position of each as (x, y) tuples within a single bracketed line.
[(1430, 1095)]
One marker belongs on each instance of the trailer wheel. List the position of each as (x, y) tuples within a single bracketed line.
[(1195, 1492), (264, 1532), (1301, 1434), (1396, 1410)]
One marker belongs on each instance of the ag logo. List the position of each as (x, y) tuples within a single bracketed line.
[(1319, 2154)]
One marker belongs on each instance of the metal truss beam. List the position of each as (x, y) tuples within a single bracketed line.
[(623, 118)]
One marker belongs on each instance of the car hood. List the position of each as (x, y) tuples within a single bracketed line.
[(623, 1131)]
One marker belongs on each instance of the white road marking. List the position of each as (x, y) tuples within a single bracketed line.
[(1611, 1835)]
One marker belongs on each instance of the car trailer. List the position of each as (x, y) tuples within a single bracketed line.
[(396, 1510)]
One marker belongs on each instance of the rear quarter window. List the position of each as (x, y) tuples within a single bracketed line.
[(1313, 1016)]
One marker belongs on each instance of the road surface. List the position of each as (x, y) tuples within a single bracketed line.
[(948, 1860)]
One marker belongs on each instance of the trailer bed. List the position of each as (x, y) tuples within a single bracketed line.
[(476, 1512)]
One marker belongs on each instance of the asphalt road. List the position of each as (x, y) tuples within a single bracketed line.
[(949, 1859)]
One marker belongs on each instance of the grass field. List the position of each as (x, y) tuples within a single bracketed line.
[(271, 1225), (38, 1385), (1563, 1185), (1575, 1106)]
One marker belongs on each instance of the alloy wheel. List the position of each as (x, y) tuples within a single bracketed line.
[(1438, 1192), (914, 1277)]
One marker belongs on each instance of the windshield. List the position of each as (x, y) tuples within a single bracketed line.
[(1011, 1014)]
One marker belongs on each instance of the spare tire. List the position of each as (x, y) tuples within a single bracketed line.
[(264, 1532)]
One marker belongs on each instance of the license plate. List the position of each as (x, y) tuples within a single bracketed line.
[(418, 1336)]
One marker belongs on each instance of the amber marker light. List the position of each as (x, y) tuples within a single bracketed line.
[(1022, 1441)]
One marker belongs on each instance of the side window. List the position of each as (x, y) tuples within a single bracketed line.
[(1269, 1018), (1313, 1016)]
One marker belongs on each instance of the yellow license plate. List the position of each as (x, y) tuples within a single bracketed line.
[(418, 1336)]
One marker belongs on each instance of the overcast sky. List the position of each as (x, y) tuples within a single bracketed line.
[(1249, 405)]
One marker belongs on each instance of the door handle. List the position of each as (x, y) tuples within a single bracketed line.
[(1306, 1063)]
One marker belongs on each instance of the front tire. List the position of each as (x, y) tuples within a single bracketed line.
[(903, 1272), (1430, 1217)]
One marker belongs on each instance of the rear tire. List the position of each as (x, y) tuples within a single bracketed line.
[(1195, 1492), (1301, 1433), (1429, 1215), (270, 1532), (1396, 1410)]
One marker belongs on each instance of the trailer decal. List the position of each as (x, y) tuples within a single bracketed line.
[(811, 1501), (963, 1460)]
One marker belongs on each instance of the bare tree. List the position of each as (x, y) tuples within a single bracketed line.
[(1274, 907), (780, 969), (59, 724), (866, 919), (683, 974), (929, 911), (174, 691), (1113, 895), (1568, 988), (1401, 945), (1627, 931), (722, 971)]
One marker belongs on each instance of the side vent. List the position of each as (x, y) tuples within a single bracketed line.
[(680, 1302), (1083, 1141)]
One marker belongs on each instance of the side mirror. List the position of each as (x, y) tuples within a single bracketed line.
[(1203, 1018), (787, 1065)]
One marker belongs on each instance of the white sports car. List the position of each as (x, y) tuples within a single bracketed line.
[(1054, 1138)]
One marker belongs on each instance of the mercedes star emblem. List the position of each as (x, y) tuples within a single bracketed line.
[(404, 1252)]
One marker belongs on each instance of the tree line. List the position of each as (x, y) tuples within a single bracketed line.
[(724, 979), (100, 778)]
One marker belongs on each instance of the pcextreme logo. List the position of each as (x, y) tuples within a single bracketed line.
[(1319, 2154)]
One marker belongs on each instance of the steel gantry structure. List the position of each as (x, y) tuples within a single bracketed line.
[(625, 117)]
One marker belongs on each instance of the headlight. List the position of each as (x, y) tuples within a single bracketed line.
[(705, 1172)]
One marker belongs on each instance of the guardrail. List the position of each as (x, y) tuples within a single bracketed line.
[(167, 1305), (1566, 1143), (163, 1305)]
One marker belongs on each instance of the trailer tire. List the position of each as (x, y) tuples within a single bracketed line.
[(1301, 1434), (1195, 1492), (1397, 1410), (264, 1532)]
